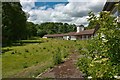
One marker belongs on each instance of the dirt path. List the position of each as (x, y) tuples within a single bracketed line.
[(64, 70)]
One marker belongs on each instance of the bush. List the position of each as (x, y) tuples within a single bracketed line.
[(57, 57), (83, 64), (25, 65), (5, 50), (44, 47), (65, 54), (26, 50), (12, 52), (103, 49)]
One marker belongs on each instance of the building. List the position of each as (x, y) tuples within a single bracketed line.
[(113, 8), (80, 34)]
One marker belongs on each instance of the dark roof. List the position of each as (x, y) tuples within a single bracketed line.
[(70, 33), (85, 32), (109, 6), (90, 31), (54, 35)]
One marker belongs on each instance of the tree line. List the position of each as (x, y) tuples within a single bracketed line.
[(15, 25)]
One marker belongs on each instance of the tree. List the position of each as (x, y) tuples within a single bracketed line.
[(41, 33), (55, 28), (13, 22), (31, 29)]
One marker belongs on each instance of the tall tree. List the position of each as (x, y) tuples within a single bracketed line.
[(13, 22)]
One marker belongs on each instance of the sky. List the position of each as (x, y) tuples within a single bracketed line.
[(66, 11)]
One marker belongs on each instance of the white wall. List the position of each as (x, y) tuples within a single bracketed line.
[(65, 37), (73, 38), (44, 37), (80, 28)]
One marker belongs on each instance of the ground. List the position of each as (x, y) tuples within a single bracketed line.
[(31, 59), (67, 69)]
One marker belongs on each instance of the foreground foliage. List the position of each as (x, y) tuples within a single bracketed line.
[(102, 57)]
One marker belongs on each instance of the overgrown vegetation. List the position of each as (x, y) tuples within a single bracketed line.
[(101, 58), (57, 57), (29, 60)]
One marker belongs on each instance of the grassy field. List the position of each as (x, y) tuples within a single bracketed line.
[(31, 59)]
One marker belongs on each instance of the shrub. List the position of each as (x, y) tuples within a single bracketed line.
[(44, 48), (26, 50), (12, 52), (5, 50), (36, 50), (25, 65), (57, 57), (19, 53), (25, 56), (65, 54), (103, 49), (36, 62), (83, 64), (15, 51)]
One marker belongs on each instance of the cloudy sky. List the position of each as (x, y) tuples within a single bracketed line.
[(67, 11)]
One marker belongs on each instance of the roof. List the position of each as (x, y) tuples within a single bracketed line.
[(54, 35), (70, 33), (109, 6), (85, 32)]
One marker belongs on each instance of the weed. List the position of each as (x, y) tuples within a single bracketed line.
[(13, 53), (57, 57), (25, 56), (36, 50), (65, 54), (19, 53), (36, 62), (48, 50), (26, 50), (44, 48), (25, 65)]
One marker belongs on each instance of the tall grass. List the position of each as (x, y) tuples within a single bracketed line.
[(30, 59)]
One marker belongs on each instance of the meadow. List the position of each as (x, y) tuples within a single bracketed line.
[(33, 57)]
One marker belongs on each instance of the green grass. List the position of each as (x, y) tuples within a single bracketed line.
[(30, 60)]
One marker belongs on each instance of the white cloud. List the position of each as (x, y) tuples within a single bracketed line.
[(73, 12), (27, 5)]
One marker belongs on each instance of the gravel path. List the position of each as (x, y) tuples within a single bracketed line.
[(64, 70)]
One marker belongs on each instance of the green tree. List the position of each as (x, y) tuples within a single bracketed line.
[(41, 33), (13, 22), (31, 29)]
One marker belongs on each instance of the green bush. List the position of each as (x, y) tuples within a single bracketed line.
[(103, 50), (5, 50), (25, 65), (57, 57), (26, 50), (65, 54), (12, 52), (83, 64)]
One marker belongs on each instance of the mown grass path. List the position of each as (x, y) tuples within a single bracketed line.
[(64, 70)]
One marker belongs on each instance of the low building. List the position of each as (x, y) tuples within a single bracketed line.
[(81, 34)]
